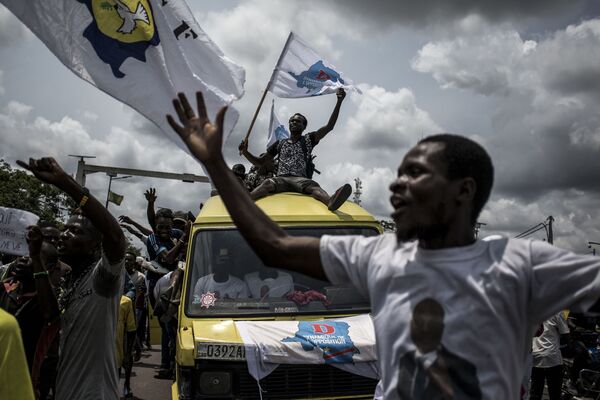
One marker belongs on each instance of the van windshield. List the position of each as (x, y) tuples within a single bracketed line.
[(228, 279)]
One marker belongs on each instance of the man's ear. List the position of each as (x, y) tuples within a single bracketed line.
[(466, 190)]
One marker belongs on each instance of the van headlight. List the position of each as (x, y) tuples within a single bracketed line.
[(215, 382)]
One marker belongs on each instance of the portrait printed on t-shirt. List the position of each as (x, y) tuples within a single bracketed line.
[(432, 371)]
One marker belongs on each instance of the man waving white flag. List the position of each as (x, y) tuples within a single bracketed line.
[(142, 52), (302, 72)]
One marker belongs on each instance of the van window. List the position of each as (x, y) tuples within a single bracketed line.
[(228, 279)]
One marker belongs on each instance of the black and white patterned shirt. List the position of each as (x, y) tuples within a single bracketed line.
[(292, 161)]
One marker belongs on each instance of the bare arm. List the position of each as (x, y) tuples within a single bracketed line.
[(269, 241), (321, 132), (257, 161), (49, 171), (133, 231), (150, 195), (47, 301), (138, 226)]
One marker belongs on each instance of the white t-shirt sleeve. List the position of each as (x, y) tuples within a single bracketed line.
[(562, 280), (346, 259)]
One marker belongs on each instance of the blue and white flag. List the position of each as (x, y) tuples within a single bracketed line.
[(141, 52), (301, 72), (277, 130)]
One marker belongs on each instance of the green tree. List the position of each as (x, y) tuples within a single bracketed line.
[(23, 191)]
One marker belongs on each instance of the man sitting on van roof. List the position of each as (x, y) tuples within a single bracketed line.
[(500, 288), (294, 172)]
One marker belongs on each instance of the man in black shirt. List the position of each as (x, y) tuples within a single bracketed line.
[(294, 173)]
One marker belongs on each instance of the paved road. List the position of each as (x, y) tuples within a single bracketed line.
[(143, 383)]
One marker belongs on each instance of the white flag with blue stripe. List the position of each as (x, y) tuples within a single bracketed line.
[(277, 130), (302, 72)]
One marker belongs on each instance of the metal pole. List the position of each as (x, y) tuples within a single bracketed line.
[(108, 192), (550, 232)]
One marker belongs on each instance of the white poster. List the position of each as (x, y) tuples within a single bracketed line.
[(13, 230)]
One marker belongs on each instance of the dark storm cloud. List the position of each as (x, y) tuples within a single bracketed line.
[(431, 11)]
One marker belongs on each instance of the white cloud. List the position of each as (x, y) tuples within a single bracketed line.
[(387, 120), (547, 94)]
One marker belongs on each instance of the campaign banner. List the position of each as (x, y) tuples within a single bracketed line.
[(329, 341), (277, 130), (141, 52), (13, 230), (302, 72)]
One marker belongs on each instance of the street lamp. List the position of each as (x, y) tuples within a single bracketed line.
[(113, 176), (590, 244)]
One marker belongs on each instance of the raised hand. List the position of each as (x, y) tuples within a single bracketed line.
[(341, 94), (243, 146), (150, 196), (46, 170), (124, 219), (34, 240), (203, 138)]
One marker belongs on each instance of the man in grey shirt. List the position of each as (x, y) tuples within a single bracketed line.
[(93, 245)]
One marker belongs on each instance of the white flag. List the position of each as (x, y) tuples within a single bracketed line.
[(277, 130), (301, 72), (142, 52)]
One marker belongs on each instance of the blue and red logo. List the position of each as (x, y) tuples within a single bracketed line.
[(316, 76), (330, 336)]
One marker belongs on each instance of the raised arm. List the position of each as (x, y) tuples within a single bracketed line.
[(113, 241), (150, 195), (275, 247), (47, 302), (257, 161), (134, 232), (143, 230), (321, 132)]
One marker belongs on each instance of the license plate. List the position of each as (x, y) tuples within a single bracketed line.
[(222, 351)]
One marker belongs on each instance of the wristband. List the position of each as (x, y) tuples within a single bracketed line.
[(85, 198), (39, 274)]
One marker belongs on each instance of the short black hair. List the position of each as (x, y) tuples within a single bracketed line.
[(164, 213), (466, 158), (42, 223), (301, 116)]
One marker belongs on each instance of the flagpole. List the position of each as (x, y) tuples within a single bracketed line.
[(262, 99)]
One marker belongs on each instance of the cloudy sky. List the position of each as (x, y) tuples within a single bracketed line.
[(522, 78)]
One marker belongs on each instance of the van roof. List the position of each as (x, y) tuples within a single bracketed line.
[(289, 207)]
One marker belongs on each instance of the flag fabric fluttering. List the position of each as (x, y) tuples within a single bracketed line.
[(141, 52), (115, 198), (277, 130), (302, 72)]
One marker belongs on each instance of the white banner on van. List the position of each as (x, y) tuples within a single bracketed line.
[(331, 341)]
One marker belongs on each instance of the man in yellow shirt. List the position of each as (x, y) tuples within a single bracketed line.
[(125, 330), (15, 382)]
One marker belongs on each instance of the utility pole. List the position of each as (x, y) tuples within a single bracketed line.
[(478, 226), (550, 232), (357, 191), (590, 244), (80, 175)]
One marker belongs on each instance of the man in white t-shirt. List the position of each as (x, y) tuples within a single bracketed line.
[(221, 283), (547, 359), (493, 293), (263, 284)]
